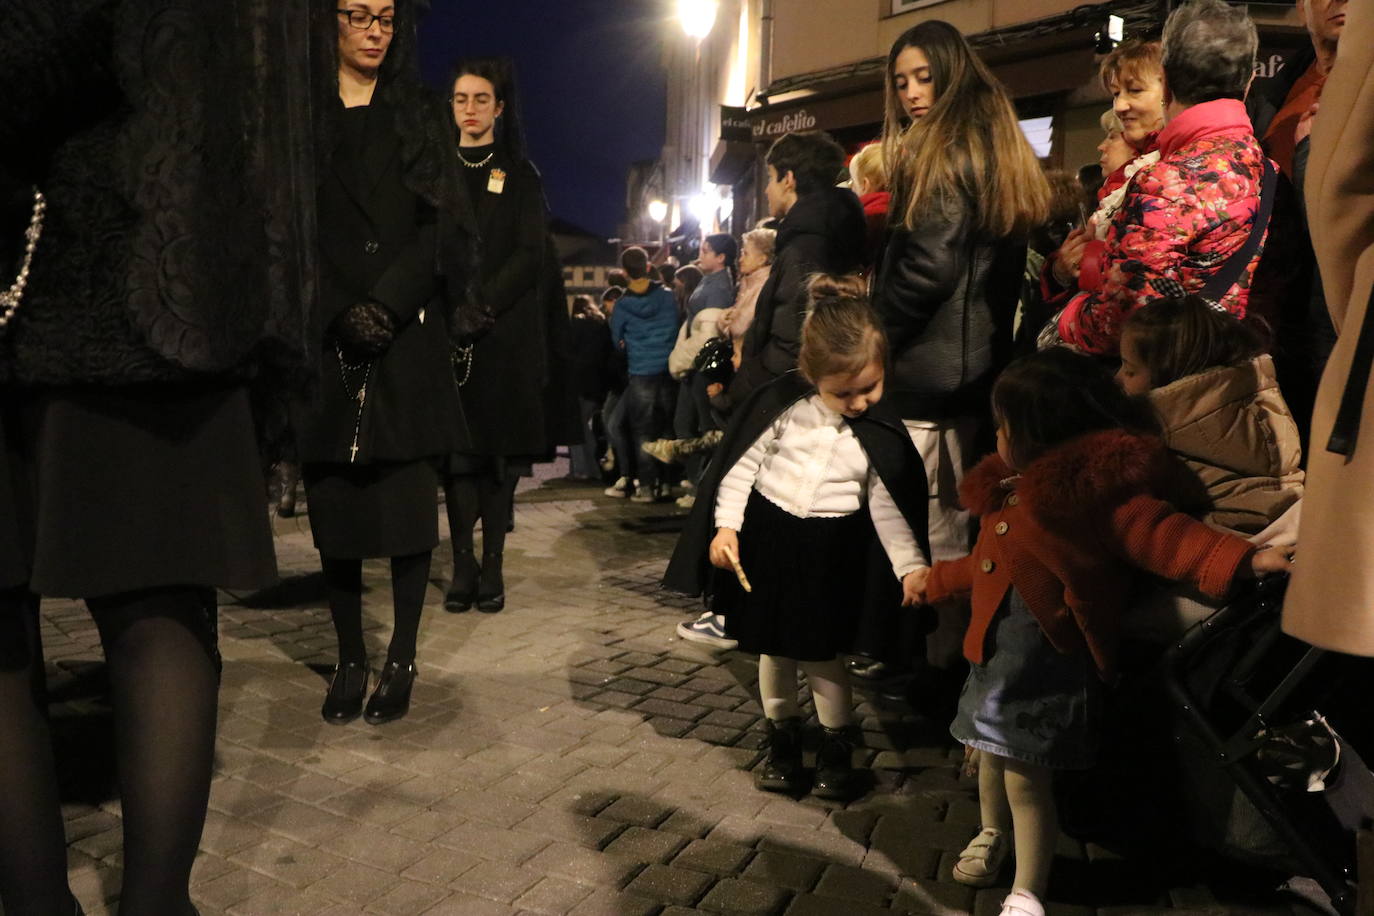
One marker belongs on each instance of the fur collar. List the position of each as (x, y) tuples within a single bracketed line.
[(1078, 480)]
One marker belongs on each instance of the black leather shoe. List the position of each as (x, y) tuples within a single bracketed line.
[(344, 701), (491, 587), (391, 699), (782, 771), (836, 777), (462, 591)]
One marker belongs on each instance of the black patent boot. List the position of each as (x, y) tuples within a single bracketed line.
[(344, 701), (391, 699), (836, 777), (491, 587), (462, 591), (782, 770)]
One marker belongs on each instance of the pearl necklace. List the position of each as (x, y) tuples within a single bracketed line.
[(475, 165), (12, 297)]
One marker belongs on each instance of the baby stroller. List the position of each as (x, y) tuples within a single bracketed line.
[(1257, 707), (1239, 741)]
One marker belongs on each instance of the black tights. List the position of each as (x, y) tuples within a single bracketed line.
[(344, 580), (164, 681), (485, 496)]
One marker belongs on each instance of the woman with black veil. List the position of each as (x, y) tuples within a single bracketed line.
[(515, 399), (393, 247), (154, 260)]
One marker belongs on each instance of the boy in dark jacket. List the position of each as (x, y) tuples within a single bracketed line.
[(822, 231)]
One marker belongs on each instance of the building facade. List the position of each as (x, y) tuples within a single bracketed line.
[(770, 67)]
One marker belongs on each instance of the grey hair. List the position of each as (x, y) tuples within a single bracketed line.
[(1209, 52), (1111, 122)]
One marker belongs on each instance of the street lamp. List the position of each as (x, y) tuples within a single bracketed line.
[(697, 16), (658, 210)]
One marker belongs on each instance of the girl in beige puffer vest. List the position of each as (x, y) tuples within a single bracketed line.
[(1213, 386)]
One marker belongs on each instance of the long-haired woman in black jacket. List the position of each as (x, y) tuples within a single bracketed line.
[(966, 190), (385, 407), (510, 369)]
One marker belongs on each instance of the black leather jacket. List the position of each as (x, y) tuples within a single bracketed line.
[(947, 300)]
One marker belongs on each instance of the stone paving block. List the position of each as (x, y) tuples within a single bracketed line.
[(408, 898), (288, 861), (237, 886), (715, 734), (526, 786), (497, 881), (797, 873), (714, 856), (468, 905), (605, 902), (305, 823), (744, 897), (854, 885), (829, 847), (357, 885), (496, 844), (643, 845), (580, 798), (488, 807), (592, 832), (553, 896), (672, 728), (441, 867), (385, 851), (670, 885), (638, 811), (274, 902), (812, 905), (790, 814), (584, 866)]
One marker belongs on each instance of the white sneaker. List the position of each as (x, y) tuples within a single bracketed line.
[(1021, 902), (982, 859), (620, 489), (686, 501)]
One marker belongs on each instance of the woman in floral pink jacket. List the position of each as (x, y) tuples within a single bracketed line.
[(1186, 214)]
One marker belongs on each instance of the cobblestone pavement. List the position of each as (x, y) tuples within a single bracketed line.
[(569, 755)]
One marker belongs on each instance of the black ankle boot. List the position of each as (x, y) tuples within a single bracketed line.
[(782, 771), (491, 588), (391, 699), (836, 777), (462, 591), (344, 701)]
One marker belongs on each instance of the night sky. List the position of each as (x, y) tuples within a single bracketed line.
[(591, 86)]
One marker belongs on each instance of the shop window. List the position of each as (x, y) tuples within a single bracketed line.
[(1039, 133)]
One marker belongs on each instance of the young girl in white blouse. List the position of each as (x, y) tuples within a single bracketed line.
[(786, 499)]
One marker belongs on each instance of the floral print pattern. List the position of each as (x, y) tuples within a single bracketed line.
[(1181, 218)]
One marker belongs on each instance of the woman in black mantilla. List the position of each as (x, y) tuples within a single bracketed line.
[(165, 264), (385, 409), (511, 374)]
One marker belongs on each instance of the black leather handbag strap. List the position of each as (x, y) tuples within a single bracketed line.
[(1230, 272)]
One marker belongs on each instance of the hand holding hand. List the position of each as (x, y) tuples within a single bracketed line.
[(914, 586), (723, 546), (1271, 560)]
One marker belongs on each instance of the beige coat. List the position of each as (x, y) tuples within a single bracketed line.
[(1331, 599), (1232, 427)]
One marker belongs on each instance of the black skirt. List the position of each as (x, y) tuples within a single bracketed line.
[(387, 509), (806, 574), (138, 488)]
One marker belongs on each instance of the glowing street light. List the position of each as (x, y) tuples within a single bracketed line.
[(697, 16), (658, 210), (702, 206)]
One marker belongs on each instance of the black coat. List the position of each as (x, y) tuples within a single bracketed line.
[(378, 241), (593, 357), (947, 299), (169, 149), (824, 232), (505, 399), (880, 433)]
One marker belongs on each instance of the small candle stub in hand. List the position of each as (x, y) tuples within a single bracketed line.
[(739, 571)]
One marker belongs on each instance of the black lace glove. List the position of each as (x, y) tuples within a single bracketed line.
[(364, 330), (473, 322)]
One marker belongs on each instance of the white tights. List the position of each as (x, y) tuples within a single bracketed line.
[(829, 681), (1019, 797)]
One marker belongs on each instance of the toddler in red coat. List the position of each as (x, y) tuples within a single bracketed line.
[(1075, 501)]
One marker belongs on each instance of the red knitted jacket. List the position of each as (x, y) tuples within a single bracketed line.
[(1068, 534)]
